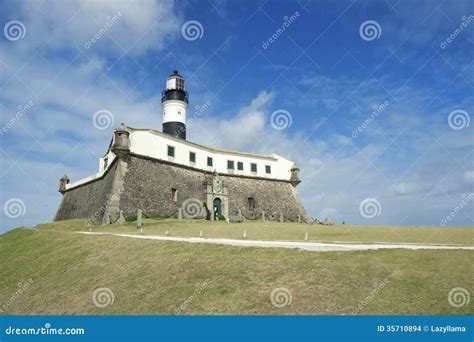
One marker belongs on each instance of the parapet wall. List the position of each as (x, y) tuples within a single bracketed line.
[(87, 200)]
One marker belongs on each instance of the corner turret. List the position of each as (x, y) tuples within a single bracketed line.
[(121, 142), (295, 175), (63, 181)]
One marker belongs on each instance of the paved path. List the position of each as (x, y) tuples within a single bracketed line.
[(309, 246)]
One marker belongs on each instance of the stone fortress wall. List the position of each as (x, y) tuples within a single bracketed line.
[(88, 199), (149, 184), (146, 184), (133, 181)]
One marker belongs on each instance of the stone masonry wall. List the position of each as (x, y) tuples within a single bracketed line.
[(148, 184), (272, 197), (86, 200)]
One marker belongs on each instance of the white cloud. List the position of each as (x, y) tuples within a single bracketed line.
[(340, 139), (469, 176), (136, 26), (405, 188)]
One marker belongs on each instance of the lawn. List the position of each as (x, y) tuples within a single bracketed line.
[(284, 231), (58, 271)]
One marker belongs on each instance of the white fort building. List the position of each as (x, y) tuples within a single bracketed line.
[(162, 172)]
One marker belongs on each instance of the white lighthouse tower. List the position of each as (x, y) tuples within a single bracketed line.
[(174, 101)]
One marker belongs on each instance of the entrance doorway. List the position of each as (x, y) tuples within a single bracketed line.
[(217, 205)]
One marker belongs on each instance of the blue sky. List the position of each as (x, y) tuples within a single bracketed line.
[(413, 158)]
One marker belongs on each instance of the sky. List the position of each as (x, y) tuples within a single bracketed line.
[(371, 99)]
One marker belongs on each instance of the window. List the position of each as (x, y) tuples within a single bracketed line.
[(209, 161), (251, 201), (170, 151), (192, 157), (240, 166), (253, 167), (268, 169), (230, 164), (179, 83), (174, 194)]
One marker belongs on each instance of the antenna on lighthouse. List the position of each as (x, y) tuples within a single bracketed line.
[(174, 101)]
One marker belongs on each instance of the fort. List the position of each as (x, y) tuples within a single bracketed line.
[(163, 173)]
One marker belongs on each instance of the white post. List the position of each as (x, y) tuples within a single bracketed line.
[(306, 236), (200, 233), (245, 233), (139, 218)]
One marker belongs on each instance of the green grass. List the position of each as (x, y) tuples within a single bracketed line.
[(284, 231), (156, 277)]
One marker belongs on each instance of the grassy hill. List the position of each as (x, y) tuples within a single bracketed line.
[(52, 270), (282, 231)]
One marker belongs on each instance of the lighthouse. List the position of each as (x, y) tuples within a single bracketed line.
[(164, 171), (174, 101)]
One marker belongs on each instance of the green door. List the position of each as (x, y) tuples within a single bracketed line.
[(217, 207)]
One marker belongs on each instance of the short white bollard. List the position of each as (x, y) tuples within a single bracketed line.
[(200, 233), (139, 218), (306, 236), (167, 233), (245, 233)]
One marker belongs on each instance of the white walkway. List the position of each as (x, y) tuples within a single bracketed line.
[(309, 246)]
